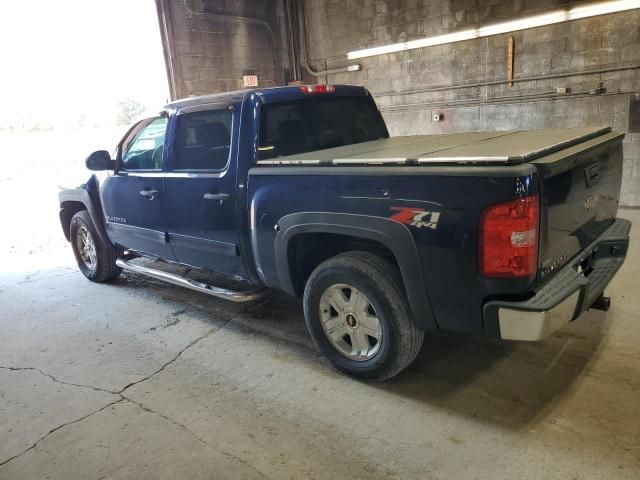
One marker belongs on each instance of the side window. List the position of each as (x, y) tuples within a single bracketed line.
[(144, 150), (204, 140)]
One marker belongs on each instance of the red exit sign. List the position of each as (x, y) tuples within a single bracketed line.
[(250, 80)]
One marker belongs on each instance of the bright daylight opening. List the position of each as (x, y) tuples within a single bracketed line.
[(72, 82)]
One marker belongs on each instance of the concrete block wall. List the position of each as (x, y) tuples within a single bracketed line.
[(411, 86), (210, 44)]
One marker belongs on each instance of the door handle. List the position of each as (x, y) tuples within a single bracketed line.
[(150, 194), (216, 196)]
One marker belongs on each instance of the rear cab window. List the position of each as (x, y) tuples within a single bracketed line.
[(317, 123)]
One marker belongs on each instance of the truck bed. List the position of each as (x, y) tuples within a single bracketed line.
[(483, 148), (575, 172)]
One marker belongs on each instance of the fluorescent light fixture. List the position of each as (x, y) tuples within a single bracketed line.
[(551, 18)]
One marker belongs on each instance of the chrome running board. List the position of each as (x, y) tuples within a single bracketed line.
[(231, 295)]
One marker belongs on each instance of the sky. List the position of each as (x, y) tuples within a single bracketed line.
[(67, 61)]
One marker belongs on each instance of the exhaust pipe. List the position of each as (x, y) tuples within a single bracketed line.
[(231, 295)]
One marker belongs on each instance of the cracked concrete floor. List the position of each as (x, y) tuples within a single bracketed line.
[(136, 379)]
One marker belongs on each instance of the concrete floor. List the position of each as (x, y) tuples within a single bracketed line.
[(136, 379)]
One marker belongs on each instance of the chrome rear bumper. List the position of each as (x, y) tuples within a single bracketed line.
[(533, 326), (565, 296)]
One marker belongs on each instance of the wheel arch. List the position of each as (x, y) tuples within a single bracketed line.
[(390, 235), (67, 210), (74, 200)]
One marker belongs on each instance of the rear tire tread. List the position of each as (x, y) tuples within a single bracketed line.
[(388, 282)]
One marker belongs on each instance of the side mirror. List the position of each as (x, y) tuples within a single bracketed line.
[(100, 160)]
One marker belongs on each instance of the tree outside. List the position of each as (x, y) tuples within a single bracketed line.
[(129, 110)]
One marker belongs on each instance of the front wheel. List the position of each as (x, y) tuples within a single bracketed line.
[(96, 260), (358, 316)]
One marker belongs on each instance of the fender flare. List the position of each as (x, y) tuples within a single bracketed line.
[(81, 195), (393, 235)]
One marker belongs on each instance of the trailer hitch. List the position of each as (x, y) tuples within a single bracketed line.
[(602, 303)]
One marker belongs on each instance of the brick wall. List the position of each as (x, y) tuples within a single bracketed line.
[(208, 51), (398, 80), (210, 44)]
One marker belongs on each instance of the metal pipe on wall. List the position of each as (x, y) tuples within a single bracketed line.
[(256, 21), (507, 99), (302, 25), (503, 100), (443, 88), (294, 41), (224, 16)]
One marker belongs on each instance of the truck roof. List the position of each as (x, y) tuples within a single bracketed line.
[(486, 148), (272, 94)]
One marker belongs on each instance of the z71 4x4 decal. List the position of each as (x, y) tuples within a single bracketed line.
[(416, 217)]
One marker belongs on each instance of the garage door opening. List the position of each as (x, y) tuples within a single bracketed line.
[(74, 76)]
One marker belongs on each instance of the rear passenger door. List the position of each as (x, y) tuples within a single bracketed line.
[(200, 190)]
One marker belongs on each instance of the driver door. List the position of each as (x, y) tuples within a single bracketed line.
[(132, 197)]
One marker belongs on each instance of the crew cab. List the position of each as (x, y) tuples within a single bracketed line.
[(507, 234)]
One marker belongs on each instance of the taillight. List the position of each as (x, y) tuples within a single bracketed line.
[(509, 238), (317, 88)]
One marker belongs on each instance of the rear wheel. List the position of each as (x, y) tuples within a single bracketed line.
[(96, 260), (358, 317)]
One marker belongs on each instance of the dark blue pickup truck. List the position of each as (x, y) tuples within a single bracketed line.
[(503, 234)]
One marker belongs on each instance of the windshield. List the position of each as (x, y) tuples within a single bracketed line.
[(317, 123)]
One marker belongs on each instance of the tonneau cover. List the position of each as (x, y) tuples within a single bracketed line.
[(486, 148)]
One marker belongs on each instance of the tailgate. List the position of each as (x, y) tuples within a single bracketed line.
[(580, 188)]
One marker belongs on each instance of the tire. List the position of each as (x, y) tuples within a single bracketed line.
[(98, 264), (337, 280)]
